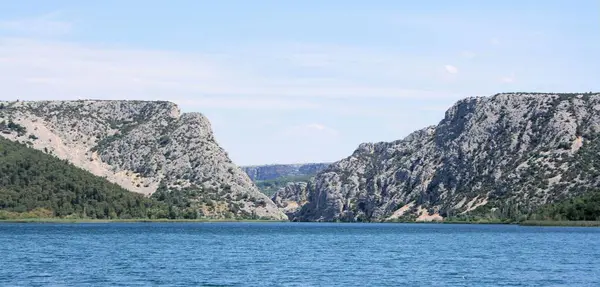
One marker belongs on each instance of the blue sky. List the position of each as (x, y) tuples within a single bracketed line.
[(298, 81)]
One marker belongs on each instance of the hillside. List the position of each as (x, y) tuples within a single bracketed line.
[(44, 186), (275, 171), (144, 147), (271, 178), (493, 157), (585, 207), (292, 196)]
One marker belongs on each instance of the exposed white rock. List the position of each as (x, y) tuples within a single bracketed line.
[(509, 150), (274, 171), (292, 196), (138, 145)]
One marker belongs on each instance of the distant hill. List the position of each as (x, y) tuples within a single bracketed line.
[(271, 178), (274, 171)]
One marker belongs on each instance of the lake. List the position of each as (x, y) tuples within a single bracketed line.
[(297, 254)]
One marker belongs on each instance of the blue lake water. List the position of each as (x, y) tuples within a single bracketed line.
[(297, 254)]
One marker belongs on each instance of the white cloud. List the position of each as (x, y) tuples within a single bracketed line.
[(318, 127), (312, 130), (310, 60), (242, 103), (46, 25), (508, 79), (34, 69), (451, 69)]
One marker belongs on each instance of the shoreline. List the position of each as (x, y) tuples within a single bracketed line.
[(524, 223), (560, 223), (67, 220)]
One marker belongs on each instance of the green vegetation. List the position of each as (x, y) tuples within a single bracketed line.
[(105, 142), (133, 220), (123, 129), (195, 202), (180, 202), (560, 223), (448, 221), (35, 186), (12, 126), (581, 208), (271, 186)]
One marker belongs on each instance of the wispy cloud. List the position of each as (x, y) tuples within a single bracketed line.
[(508, 79), (271, 76), (245, 103), (312, 130), (451, 69), (35, 69), (49, 24), (403, 68)]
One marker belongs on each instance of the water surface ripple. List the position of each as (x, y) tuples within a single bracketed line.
[(297, 254)]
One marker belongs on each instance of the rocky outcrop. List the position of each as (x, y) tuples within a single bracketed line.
[(274, 171), (272, 179), (292, 197), (142, 146), (501, 155)]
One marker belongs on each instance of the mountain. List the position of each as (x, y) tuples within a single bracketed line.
[(496, 157), (274, 171), (292, 196), (147, 147), (271, 178)]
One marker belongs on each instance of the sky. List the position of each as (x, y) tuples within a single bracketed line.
[(298, 80)]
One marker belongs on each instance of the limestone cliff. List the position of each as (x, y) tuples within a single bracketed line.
[(292, 197), (271, 178), (503, 155), (142, 146), (275, 171)]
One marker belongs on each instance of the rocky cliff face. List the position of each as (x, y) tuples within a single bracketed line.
[(503, 155), (142, 146), (292, 197), (268, 172)]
